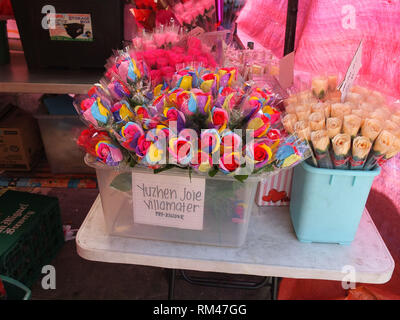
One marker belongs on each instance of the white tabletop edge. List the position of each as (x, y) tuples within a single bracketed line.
[(94, 254)]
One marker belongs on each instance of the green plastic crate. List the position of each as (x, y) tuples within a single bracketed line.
[(15, 290), (30, 234)]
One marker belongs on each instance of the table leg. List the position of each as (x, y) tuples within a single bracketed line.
[(274, 288), (171, 284)]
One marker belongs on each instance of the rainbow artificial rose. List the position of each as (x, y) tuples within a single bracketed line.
[(119, 89), (229, 163), (260, 124), (225, 98), (204, 101), (219, 118), (122, 111), (202, 162), (226, 76), (251, 107), (108, 153), (209, 83), (186, 102), (173, 114), (181, 150), (141, 113), (210, 141), (95, 112), (230, 142), (130, 134), (259, 153), (273, 138), (142, 146), (271, 113)]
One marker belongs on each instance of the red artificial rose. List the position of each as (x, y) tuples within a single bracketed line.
[(260, 153), (230, 163), (185, 146), (219, 117), (172, 115), (209, 76)]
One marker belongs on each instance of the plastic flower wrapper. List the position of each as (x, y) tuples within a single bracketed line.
[(94, 110), (100, 145), (192, 14)]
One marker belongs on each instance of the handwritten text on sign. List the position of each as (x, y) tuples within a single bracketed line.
[(169, 201)]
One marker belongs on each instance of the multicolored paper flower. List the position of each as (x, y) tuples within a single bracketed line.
[(95, 112), (219, 118), (122, 111), (108, 153), (229, 163), (259, 153), (260, 124)]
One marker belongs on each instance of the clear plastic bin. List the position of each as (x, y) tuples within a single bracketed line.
[(227, 207), (59, 135)]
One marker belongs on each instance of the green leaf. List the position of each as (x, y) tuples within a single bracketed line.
[(213, 172), (122, 182), (241, 178), (167, 167)]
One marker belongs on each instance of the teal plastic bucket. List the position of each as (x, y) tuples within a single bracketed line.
[(326, 205), (15, 290)]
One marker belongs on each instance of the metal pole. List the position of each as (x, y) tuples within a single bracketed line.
[(291, 20)]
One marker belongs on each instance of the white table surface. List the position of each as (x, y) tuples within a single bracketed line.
[(271, 249)]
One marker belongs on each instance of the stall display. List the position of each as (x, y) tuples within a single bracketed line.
[(358, 133), (206, 125)]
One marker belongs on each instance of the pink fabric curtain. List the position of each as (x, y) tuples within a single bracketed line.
[(328, 33)]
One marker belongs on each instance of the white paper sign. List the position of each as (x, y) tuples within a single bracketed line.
[(169, 201), (351, 73)]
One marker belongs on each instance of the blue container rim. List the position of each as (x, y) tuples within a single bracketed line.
[(338, 172)]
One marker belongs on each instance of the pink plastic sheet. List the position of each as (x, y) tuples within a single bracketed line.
[(327, 35)]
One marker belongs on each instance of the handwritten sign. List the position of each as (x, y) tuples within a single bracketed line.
[(168, 201), (351, 73)]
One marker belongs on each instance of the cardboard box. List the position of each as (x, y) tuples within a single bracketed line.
[(275, 190), (20, 142)]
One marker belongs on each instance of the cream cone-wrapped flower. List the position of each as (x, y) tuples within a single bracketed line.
[(361, 147), (317, 121), (341, 144), (319, 87), (367, 107), (384, 142), (395, 118), (371, 128), (334, 96), (333, 126), (319, 107), (351, 124), (332, 82), (291, 100), (289, 121), (338, 110), (302, 129), (320, 140), (291, 108), (360, 90), (395, 149), (303, 112), (359, 113), (354, 98), (392, 127)]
